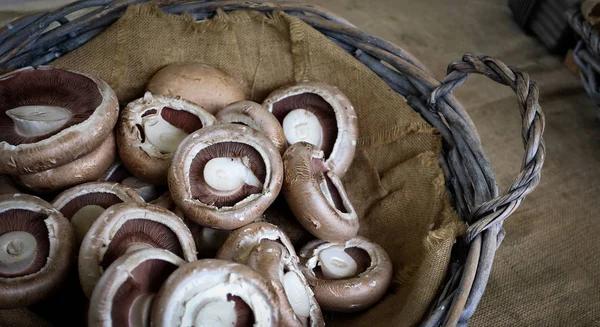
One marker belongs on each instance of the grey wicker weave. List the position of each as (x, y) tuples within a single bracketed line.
[(587, 53), (469, 176)]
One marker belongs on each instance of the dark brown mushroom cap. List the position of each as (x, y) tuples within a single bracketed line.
[(135, 276), (127, 224), (273, 261), (305, 178), (351, 294), (255, 116), (85, 169), (143, 159), (54, 254), (78, 137), (232, 137), (196, 283), (206, 86), (319, 95), (242, 241)]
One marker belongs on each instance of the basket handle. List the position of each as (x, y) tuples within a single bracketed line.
[(499, 208)]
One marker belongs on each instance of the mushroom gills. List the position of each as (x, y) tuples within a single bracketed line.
[(38, 120), (83, 219), (17, 251), (223, 174), (301, 125), (229, 174), (166, 130), (296, 294), (337, 264), (24, 242)]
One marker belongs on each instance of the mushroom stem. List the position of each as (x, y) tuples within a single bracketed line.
[(301, 125), (83, 219), (229, 174), (296, 294), (337, 264), (164, 136), (17, 251), (139, 314), (216, 314), (38, 120)]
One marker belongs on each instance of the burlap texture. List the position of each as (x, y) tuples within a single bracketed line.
[(395, 182)]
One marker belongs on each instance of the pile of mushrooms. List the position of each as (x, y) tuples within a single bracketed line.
[(186, 207)]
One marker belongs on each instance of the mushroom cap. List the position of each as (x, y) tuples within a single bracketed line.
[(244, 211), (242, 241), (97, 241), (203, 85), (123, 271), (85, 169), (302, 162), (22, 291), (113, 193), (116, 172), (272, 259), (140, 157), (175, 301), (69, 143), (164, 200), (342, 154), (351, 294), (254, 115)]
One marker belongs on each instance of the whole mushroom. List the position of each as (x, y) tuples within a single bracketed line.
[(349, 276), (225, 176), (82, 204), (37, 247), (125, 292), (214, 292), (127, 227), (50, 117), (320, 114), (151, 128), (316, 195), (266, 249), (207, 87)]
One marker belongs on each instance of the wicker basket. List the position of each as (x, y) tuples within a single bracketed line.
[(587, 53), (469, 176)]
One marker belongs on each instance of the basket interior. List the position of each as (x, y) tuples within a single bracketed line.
[(395, 182)]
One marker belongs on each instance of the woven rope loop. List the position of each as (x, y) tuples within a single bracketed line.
[(499, 208)]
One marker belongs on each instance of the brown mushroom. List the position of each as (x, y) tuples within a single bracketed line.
[(50, 117), (225, 176), (165, 200), (213, 292), (254, 116), (149, 192), (280, 215), (85, 169), (125, 292), (319, 114), (151, 128), (82, 204), (37, 246), (208, 87), (266, 249), (349, 276), (126, 227), (316, 195)]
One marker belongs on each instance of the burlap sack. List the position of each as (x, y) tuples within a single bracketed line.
[(395, 182)]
